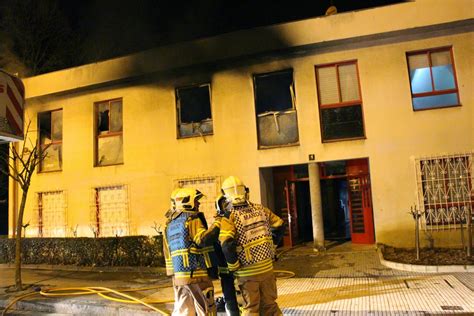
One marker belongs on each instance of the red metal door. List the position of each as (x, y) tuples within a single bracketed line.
[(291, 221), (360, 209), (360, 201)]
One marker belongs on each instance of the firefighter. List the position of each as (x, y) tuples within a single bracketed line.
[(229, 300), (248, 238), (189, 255)]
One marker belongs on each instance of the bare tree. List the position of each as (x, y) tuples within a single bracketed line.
[(21, 162)]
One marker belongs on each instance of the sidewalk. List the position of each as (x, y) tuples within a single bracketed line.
[(345, 280)]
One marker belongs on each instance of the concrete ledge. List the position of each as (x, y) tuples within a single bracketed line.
[(422, 268), (85, 269)]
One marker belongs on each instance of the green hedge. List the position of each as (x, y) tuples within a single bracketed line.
[(110, 251)]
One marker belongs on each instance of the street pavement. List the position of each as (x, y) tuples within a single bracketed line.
[(344, 280)]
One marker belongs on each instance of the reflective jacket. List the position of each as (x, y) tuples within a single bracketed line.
[(188, 246), (247, 240)]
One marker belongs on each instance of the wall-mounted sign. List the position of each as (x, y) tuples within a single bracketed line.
[(12, 100)]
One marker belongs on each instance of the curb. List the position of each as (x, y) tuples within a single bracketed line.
[(422, 268)]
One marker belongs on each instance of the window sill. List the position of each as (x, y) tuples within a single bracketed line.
[(195, 135), (437, 108), (343, 139), (115, 164), (278, 146), (49, 171)]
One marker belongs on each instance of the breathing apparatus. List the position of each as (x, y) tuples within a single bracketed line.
[(223, 206)]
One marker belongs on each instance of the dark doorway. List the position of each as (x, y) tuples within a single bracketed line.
[(3, 190), (335, 209), (305, 223)]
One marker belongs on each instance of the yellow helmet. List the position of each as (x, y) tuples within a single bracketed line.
[(185, 198), (235, 190)]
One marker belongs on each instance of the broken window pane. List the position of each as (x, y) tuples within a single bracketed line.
[(57, 125), (52, 160), (116, 116), (194, 108), (276, 116), (274, 92), (45, 127), (277, 128), (51, 134), (109, 133), (110, 150), (103, 118)]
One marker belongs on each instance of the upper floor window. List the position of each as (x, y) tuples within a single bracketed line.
[(275, 107), (194, 110), (340, 102), (50, 126), (109, 133), (432, 79)]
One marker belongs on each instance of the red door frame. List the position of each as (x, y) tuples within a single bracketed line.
[(360, 212)]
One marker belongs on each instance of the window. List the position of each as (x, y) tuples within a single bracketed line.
[(340, 102), (275, 107), (445, 189), (432, 79), (110, 212), (51, 214), (210, 187), (194, 110), (109, 135), (50, 126)]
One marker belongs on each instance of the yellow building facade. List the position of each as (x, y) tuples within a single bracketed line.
[(325, 120)]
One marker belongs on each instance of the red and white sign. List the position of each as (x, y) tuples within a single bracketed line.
[(12, 100)]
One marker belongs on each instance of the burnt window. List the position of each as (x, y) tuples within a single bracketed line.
[(275, 107), (50, 126), (194, 110), (340, 102), (109, 133)]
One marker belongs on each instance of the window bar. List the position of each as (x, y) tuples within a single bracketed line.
[(97, 213), (40, 215)]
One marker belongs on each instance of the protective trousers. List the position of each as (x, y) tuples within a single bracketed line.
[(195, 299), (259, 293)]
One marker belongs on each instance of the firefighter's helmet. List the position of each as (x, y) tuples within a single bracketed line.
[(235, 190), (185, 198)]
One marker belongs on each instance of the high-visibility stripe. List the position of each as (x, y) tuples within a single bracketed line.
[(264, 266), (187, 274)]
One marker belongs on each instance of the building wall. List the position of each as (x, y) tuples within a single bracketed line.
[(154, 158)]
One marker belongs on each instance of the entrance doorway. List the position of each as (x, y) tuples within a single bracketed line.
[(347, 201), (345, 197)]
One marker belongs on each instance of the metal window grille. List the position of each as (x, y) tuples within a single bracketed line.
[(51, 214), (110, 212), (445, 189), (209, 186)]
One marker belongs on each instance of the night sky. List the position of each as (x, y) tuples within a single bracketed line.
[(129, 26), (38, 36)]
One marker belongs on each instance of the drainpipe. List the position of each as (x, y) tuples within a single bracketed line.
[(316, 207)]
